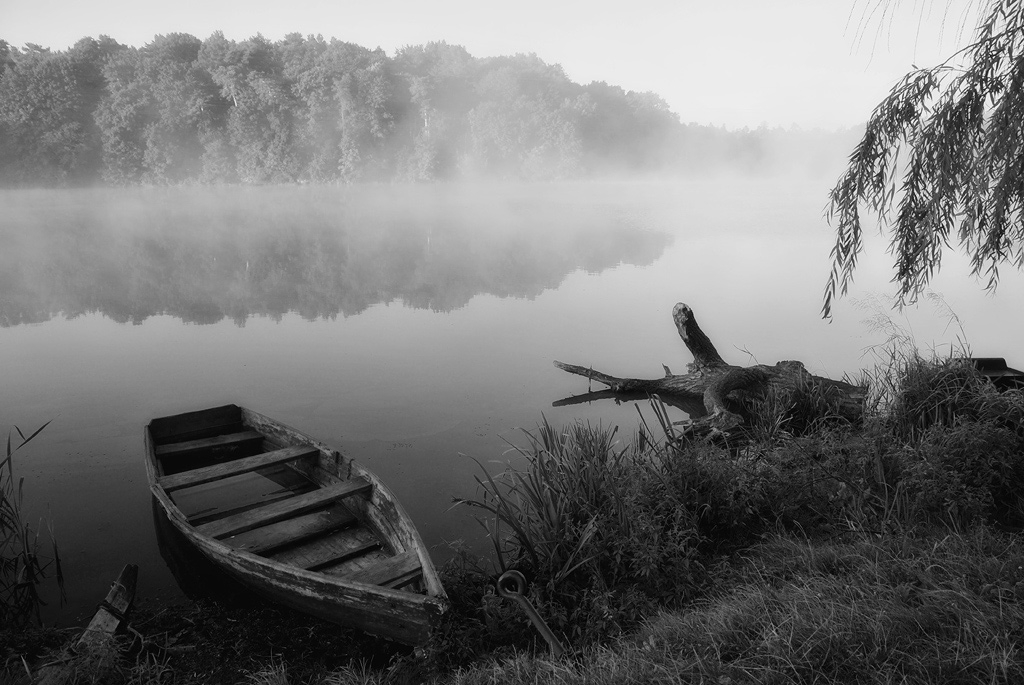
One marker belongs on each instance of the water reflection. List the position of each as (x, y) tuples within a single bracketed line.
[(203, 255)]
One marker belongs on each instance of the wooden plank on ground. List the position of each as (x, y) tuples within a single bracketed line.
[(266, 538), (319, 552), (279, 511), (399, 569), (179, 448), (207, 474), (98, 639), (181, 426), (111, 614)]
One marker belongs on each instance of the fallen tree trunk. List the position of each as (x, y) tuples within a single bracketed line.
[(715, 391)]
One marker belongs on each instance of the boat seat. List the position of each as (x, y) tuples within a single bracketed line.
[(284, 509), (330, 549), (187, 479), (178, 449), (291, 531)]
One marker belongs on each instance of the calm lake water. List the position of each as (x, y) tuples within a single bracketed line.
[(411, 327)]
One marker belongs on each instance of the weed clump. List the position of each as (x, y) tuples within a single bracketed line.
[(601, 529)]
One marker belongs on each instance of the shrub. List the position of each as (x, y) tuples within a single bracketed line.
[(967, 472)]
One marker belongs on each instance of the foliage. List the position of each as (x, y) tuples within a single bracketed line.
[(963, 178), (22, 566), (182, 110)]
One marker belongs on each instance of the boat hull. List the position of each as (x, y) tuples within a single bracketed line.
[(391, 591)]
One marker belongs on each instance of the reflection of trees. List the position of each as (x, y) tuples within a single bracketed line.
[(200, 257)]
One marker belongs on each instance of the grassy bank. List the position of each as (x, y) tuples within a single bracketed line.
[(805, 550), (942, 608)]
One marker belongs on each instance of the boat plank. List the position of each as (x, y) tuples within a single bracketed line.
[(266, 538), (201, 517), (341, 545), (180, 448), (278, 511), (396, 569), (185, 479), (229, 496), (356, 564), (183, 426)]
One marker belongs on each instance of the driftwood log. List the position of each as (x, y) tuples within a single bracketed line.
[(713, 392)]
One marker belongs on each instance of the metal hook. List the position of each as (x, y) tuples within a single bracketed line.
[(512, 585)]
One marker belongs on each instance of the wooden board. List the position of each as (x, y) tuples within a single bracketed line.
[(394, 571), (294, 530), (186, 479), (195, 424), (355, 564), (244, 492), (278, 511), (98, 638), (189, 446), (110, 615), (338, 546)]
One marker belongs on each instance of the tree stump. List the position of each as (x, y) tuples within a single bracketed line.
[(715, 393)]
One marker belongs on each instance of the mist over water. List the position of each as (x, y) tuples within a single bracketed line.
[(204, 255), (408, 326)]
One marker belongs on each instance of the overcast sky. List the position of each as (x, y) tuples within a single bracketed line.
[(728, 62)]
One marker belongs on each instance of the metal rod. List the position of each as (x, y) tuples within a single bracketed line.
[(512, 585)]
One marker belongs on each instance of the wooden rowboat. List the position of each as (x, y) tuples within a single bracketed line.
[(294, 520)]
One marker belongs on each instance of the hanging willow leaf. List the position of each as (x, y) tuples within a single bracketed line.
[(962, 181)]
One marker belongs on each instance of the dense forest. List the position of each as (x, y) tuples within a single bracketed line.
[(305, 109)]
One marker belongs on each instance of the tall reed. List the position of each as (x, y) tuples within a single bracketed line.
[(22, 566), (583, 521)]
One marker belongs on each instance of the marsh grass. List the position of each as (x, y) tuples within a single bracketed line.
[(22, 564), (938, 609), (608, 530), (782, 414)]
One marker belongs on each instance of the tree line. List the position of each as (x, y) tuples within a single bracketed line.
[(305, 109)]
